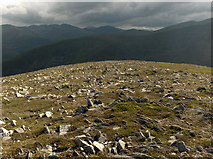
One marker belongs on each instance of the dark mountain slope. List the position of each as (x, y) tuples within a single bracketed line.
[(104, 30), (136, 32), (189, 44), (179, 26), (58, 32), (19, 39)]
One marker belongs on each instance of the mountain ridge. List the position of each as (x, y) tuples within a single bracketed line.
[(187, 44), (190, 44)]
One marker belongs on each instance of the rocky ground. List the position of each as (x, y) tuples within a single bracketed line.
[(114, 109)]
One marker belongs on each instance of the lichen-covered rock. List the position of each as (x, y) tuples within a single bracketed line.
[(48, 114), (3, 132), (181, 146), (19, 130), (121, 145), (89, 103), (81, 143), (98, 146), (63, 129), (100, 137), (81, 110), (46, 130), (89, 149)]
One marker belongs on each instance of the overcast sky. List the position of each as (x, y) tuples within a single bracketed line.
[(119, 14)]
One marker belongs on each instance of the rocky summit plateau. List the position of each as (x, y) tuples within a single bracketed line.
[(108, 109)]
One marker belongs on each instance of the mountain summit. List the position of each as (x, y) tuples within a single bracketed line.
[(111, 109)]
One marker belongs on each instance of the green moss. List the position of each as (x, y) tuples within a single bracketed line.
[(123, 107), (5, 102), (127, 130)]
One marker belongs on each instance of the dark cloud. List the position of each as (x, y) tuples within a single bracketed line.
[(119, 14)]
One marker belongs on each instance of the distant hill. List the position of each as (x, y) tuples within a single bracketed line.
[(180, 25), (57, 32), (104, 30), (19, 39), (188, 44), (135, 32)]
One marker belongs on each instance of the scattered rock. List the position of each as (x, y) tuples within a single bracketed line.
[(199, 148), (155, 146), (85, 131), (172, 140), (97, 102), (89, 149), (145, 121), (82, 143), (140, 100), (181, 107), (98, 120), (41, 115), (100, 137), (84, 154), (71, 96), (76, 154), (87, 121), (129, 84), (19, 130), (116, 127), (98, 146), (192, 133), (29, 155), (6, 118), (3, 132), (124, 122), (175, 127), (122, 157), (139, 134), (141, 156), (80, 136), (114, 151), (81, 110), (48, 114), (2, 122), (46, 130), (23, 127), (209, 150), (89, 103), (181, 146), (121, 145), (147, 134), (63, 129), (13, 123), (201, 89), (159, 142), (6, 138), (150, 138), (18, 95), (171, 96), (59, 119), (156, 128), (53, 157)]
